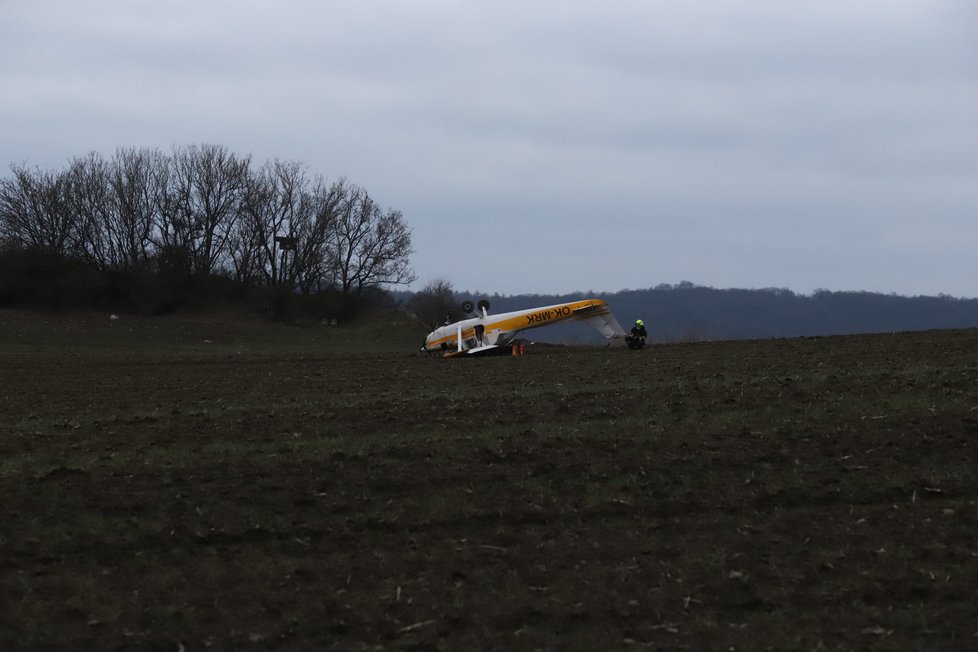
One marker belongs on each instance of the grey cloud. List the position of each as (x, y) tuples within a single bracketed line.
[(761, 144)]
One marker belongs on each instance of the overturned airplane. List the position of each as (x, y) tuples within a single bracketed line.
[(485, 333)]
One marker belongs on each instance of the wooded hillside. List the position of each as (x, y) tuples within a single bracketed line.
[(687, 312)]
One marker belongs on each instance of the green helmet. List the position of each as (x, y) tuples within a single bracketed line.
[(639, 322)]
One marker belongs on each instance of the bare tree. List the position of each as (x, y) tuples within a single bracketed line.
[(171, 235), (315, 254), (201, 210), (87, 196), (208, 184), (252, 242), (372, 246), (283, 235), (113, 204), (133, 176), (34, 212), (435, 303)]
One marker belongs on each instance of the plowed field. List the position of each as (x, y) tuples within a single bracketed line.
[(191, 486)]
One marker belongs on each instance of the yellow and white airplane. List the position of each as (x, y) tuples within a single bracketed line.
[(485, 333)]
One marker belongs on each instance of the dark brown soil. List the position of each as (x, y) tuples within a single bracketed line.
[(786, 495)]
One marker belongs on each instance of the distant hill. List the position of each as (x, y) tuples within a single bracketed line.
[(688, 312)]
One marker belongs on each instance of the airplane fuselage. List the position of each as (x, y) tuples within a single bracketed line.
[(501, 329)]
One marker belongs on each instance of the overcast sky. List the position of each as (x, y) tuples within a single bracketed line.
[(553, 146)]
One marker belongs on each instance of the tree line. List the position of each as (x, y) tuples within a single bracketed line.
[(194, 214), (688, 312)]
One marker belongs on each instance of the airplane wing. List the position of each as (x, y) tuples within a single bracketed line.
[(484, 350), (599, 317), (488, 349)]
